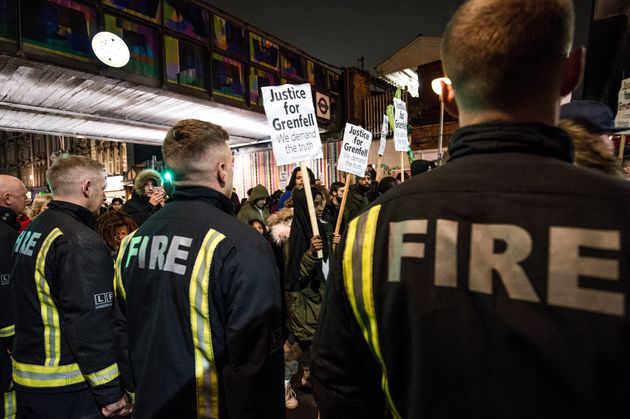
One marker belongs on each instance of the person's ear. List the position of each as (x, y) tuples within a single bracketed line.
[(221, 174), (86, 188), (448, 96), (573, 70)]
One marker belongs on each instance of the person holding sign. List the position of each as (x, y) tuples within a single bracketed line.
[(496, 286), (357, 197), (305, 273)]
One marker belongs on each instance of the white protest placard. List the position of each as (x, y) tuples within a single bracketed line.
[(354, 150), (291, 118), (623, 109), (384, 130), (400, 125)]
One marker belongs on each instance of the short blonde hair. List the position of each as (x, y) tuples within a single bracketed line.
[(38, 204), (186, 141), (66, 172)]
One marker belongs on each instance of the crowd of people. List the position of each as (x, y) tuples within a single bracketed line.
[(492, 285)]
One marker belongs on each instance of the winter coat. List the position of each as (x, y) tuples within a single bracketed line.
[(250, 212), (139, 208)]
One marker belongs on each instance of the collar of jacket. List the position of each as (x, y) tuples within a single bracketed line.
[(77, 211), (215, 198), (9, 216), (503, 137)]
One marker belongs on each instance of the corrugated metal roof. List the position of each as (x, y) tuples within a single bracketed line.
[(39, 97)]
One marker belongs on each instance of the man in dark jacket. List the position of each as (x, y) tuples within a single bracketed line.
[(12, 202), (63, 355), (496, 285), (201, 295), (147, 197), (357, 197)]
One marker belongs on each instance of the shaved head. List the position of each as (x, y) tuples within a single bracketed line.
[(498, 53), (12, 193), (199, 155)]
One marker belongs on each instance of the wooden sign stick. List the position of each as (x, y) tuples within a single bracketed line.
[(311, 205), (402, 166), (343, 205), (379, 171)]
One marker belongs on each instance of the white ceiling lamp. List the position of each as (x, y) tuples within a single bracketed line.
[(110, 49)]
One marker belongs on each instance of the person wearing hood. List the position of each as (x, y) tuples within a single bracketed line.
[(256, 208), (147, 197), (305, 274)]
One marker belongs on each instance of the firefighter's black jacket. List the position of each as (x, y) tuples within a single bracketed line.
[(64, 331), (495, 286), (202, 302), (8, 233)]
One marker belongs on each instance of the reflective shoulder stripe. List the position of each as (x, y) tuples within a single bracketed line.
[(9, 404), (358, 281), (206, 379), (103, 376), (8, 331), (50, 315), (40, 376), (119, 287)]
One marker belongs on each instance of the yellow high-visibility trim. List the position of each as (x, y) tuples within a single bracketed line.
[(8, 331), (10, 405), (119, 287), (50, 315), (359, 274), (103, 376), (347, 271), (206, 379), (40, 376), (368, 299)]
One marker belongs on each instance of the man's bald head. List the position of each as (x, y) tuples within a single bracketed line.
[(12, 193), (499, 53), (198, 154)]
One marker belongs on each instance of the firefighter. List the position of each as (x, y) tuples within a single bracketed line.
[(12, 202), (200, 295), (63, 358), (494, 286)]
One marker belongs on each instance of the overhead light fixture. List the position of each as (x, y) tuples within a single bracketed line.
[(110, 49)]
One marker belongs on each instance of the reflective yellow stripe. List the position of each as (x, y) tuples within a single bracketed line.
[(358, 280), (205, 372), (103, 376), (50, 315), (10, 405), (119, 287), (40, 376), (5, 332)]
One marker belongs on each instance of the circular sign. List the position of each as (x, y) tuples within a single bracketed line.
[(110, 49), (322, 104)]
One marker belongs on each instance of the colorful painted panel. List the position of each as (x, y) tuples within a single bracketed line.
[(321, 77), (187, 19), (292, 65), (334, 81), (185, 63), (257, 79), (228, 77), (146, 9), (61, 27), (8, 21), (229, 37), (142, 42), (263, 51)]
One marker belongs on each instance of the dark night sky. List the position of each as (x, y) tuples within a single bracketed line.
[(340, 31)]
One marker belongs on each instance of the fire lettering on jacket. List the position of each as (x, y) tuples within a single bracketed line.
[(503, 248), (26, 242), (164, 254)]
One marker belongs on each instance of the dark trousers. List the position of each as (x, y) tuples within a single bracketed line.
[(71, 405)]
